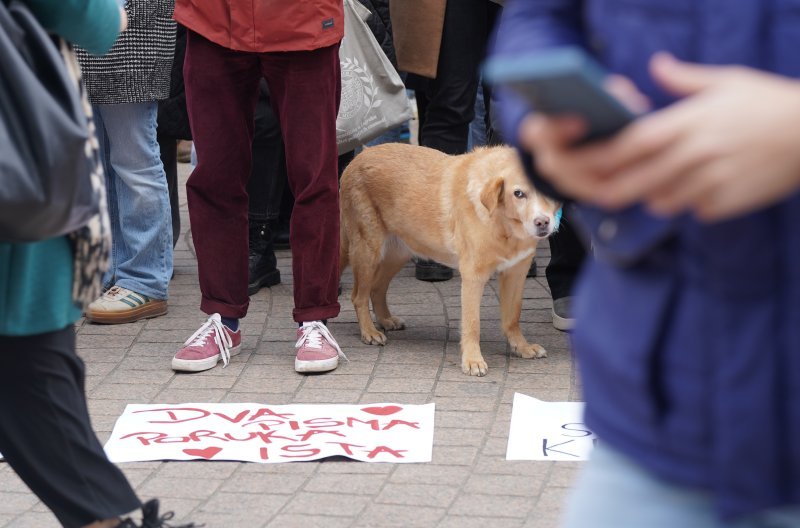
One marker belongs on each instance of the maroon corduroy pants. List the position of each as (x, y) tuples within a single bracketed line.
[(221, 94)]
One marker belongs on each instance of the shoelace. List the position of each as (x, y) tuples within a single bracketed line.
[(313, 333), (113, 292), (221, 338)]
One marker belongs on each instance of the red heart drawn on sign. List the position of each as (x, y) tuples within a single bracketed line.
[(382, 411), (207, 453)]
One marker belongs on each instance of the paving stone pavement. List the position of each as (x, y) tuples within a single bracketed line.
[(468, 483)]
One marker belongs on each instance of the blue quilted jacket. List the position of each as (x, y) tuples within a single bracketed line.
[(688, 335)]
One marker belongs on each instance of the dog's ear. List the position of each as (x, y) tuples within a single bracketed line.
[(492, 194)]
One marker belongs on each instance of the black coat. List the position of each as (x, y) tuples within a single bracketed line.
[(381, 26), (173, 119)]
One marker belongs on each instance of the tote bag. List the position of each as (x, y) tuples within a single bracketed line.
[(45, 183), (373, 96)]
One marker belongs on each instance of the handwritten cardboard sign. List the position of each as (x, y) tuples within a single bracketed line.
[(543, 430), (252, 432)]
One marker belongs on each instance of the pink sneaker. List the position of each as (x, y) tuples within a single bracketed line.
[(212, 342), (317, 350)]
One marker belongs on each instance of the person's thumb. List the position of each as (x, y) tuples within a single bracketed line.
[(683, 78)]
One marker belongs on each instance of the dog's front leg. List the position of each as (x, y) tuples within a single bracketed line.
[(512, 283), (472, 362)]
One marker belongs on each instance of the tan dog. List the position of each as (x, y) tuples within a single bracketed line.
[(477, 212)]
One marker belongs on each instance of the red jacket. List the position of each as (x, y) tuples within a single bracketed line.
[(264, 25)]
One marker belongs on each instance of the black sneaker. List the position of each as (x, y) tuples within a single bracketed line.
[(430, 271), (562, 314), (262, 270), (150, 518)]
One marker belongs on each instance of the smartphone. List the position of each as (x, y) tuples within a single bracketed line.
[(562, 81)]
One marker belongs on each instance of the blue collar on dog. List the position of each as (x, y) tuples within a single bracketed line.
[(559, 214)]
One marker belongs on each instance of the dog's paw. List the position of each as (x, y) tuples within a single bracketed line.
[(392, 323), (373, 338), (529, 351), (474, 367)]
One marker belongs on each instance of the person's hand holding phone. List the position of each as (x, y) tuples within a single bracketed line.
[(575, 171), (728, 148)]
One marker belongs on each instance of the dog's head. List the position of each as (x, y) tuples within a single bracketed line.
[(507, 191)]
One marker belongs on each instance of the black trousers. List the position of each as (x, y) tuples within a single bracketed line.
[(46, 435), (567, 253), (268, 177), (447, 105), (169, 158)]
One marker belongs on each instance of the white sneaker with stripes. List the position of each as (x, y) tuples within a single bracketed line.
[(121, 305)]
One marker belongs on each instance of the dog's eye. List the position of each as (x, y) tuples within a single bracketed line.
[(519, 194)]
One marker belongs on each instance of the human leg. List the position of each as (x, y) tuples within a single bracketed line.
[(47, 436), (614, 492), (141, 255), (305, 89), (284, 218), (221, 91), (142, 199), (449, 102), (111, 200), (168, 148), (451, 95), (265, 191), (567, 254), (268, 176)]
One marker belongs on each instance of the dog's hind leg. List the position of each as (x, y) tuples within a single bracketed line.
[(512, 283), (365, 258), (395, 256)]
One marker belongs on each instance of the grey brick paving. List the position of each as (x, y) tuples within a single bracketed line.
[(468, 484)]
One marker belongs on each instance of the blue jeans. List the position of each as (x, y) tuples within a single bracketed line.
[(138, 199), (477, 128), (398, 134), (614, 492)]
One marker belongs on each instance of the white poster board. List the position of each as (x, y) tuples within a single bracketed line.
[(543, 430), (252, 432)]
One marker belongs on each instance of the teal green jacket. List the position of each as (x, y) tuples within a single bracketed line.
[(36, 286), (36, 278), (90, 24)]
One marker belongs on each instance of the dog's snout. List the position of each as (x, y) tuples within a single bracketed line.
[(541, 221)]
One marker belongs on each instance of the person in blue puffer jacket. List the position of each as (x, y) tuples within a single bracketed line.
[(688, 319)]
